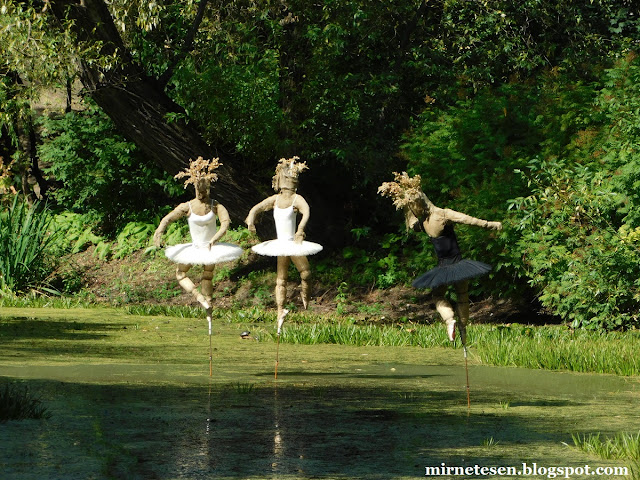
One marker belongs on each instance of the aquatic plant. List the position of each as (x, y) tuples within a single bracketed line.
[(489, 442), (347, 333), (244, 388), (558, 348), (621, 446), (163, 310), (16, 403)]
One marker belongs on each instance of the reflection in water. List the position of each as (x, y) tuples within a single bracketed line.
[(278, 445), (207, 428), (382, 425)]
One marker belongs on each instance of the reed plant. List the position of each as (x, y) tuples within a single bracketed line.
[(542, 347), (365, 335), (17, 403), (24, 243), (558, 348), (621, 446)]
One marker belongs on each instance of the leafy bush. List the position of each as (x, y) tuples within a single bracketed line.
[(134, 236), (75, 232), (578, 227), (24, 247), (99, 174)]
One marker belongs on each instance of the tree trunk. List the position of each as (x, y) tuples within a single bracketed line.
[(140, 108)]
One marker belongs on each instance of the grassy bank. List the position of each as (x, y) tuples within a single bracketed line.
[(550, 347), (541, 347)]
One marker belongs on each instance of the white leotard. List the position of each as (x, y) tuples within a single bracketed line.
[(284, 245), (285, 219), (202, 229)]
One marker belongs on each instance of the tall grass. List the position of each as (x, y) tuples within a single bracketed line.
[(360, 335), (43, 301), (559, 348), (540, 347), (17, 403), (622, 446), (24, 240)]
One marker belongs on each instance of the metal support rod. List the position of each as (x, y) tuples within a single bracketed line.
[(210, 348), (277, 353), (466, 368)]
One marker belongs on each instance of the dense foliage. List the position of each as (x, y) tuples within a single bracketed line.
[(525, 112), (560, 152), (99, 174), (579, 229)]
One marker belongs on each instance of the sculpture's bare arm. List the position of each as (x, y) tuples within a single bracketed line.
[(225, 221), (302, 207), (263, 206), (459, 217), (177, 213)]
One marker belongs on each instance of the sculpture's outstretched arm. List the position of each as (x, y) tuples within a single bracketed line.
[(180, 211), (263, 206), (458, 217)]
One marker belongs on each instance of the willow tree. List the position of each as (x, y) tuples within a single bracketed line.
[(337, 83), (83, 39)]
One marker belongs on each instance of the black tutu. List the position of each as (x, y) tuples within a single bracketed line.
[(447, 273)]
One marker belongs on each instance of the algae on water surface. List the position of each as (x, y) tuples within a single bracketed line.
[(130, 397)]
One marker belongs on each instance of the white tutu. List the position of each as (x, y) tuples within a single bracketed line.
[(190, 254), (286, 248), (284, 245), (202, 228)]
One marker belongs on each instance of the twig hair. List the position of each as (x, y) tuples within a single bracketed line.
[(403, 191), (200, 169), (290, 167)]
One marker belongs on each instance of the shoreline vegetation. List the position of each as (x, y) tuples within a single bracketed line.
[(549, 347)]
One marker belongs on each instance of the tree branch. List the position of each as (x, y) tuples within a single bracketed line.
[(186, 46)]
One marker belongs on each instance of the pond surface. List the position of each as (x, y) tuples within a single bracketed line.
[(334, 412)]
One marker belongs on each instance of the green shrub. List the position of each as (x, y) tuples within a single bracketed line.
[(75, 232), (578, 227), (134, 236), (99, 174)]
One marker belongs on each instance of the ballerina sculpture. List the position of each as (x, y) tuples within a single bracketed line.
[(452, 269), (205, 248), (290, 245)]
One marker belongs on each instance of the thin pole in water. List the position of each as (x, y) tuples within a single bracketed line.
[(281, 316), (210, 347), (466, 368), (277, 352)]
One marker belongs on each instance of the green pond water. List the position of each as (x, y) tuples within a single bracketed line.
[(131, 398)]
